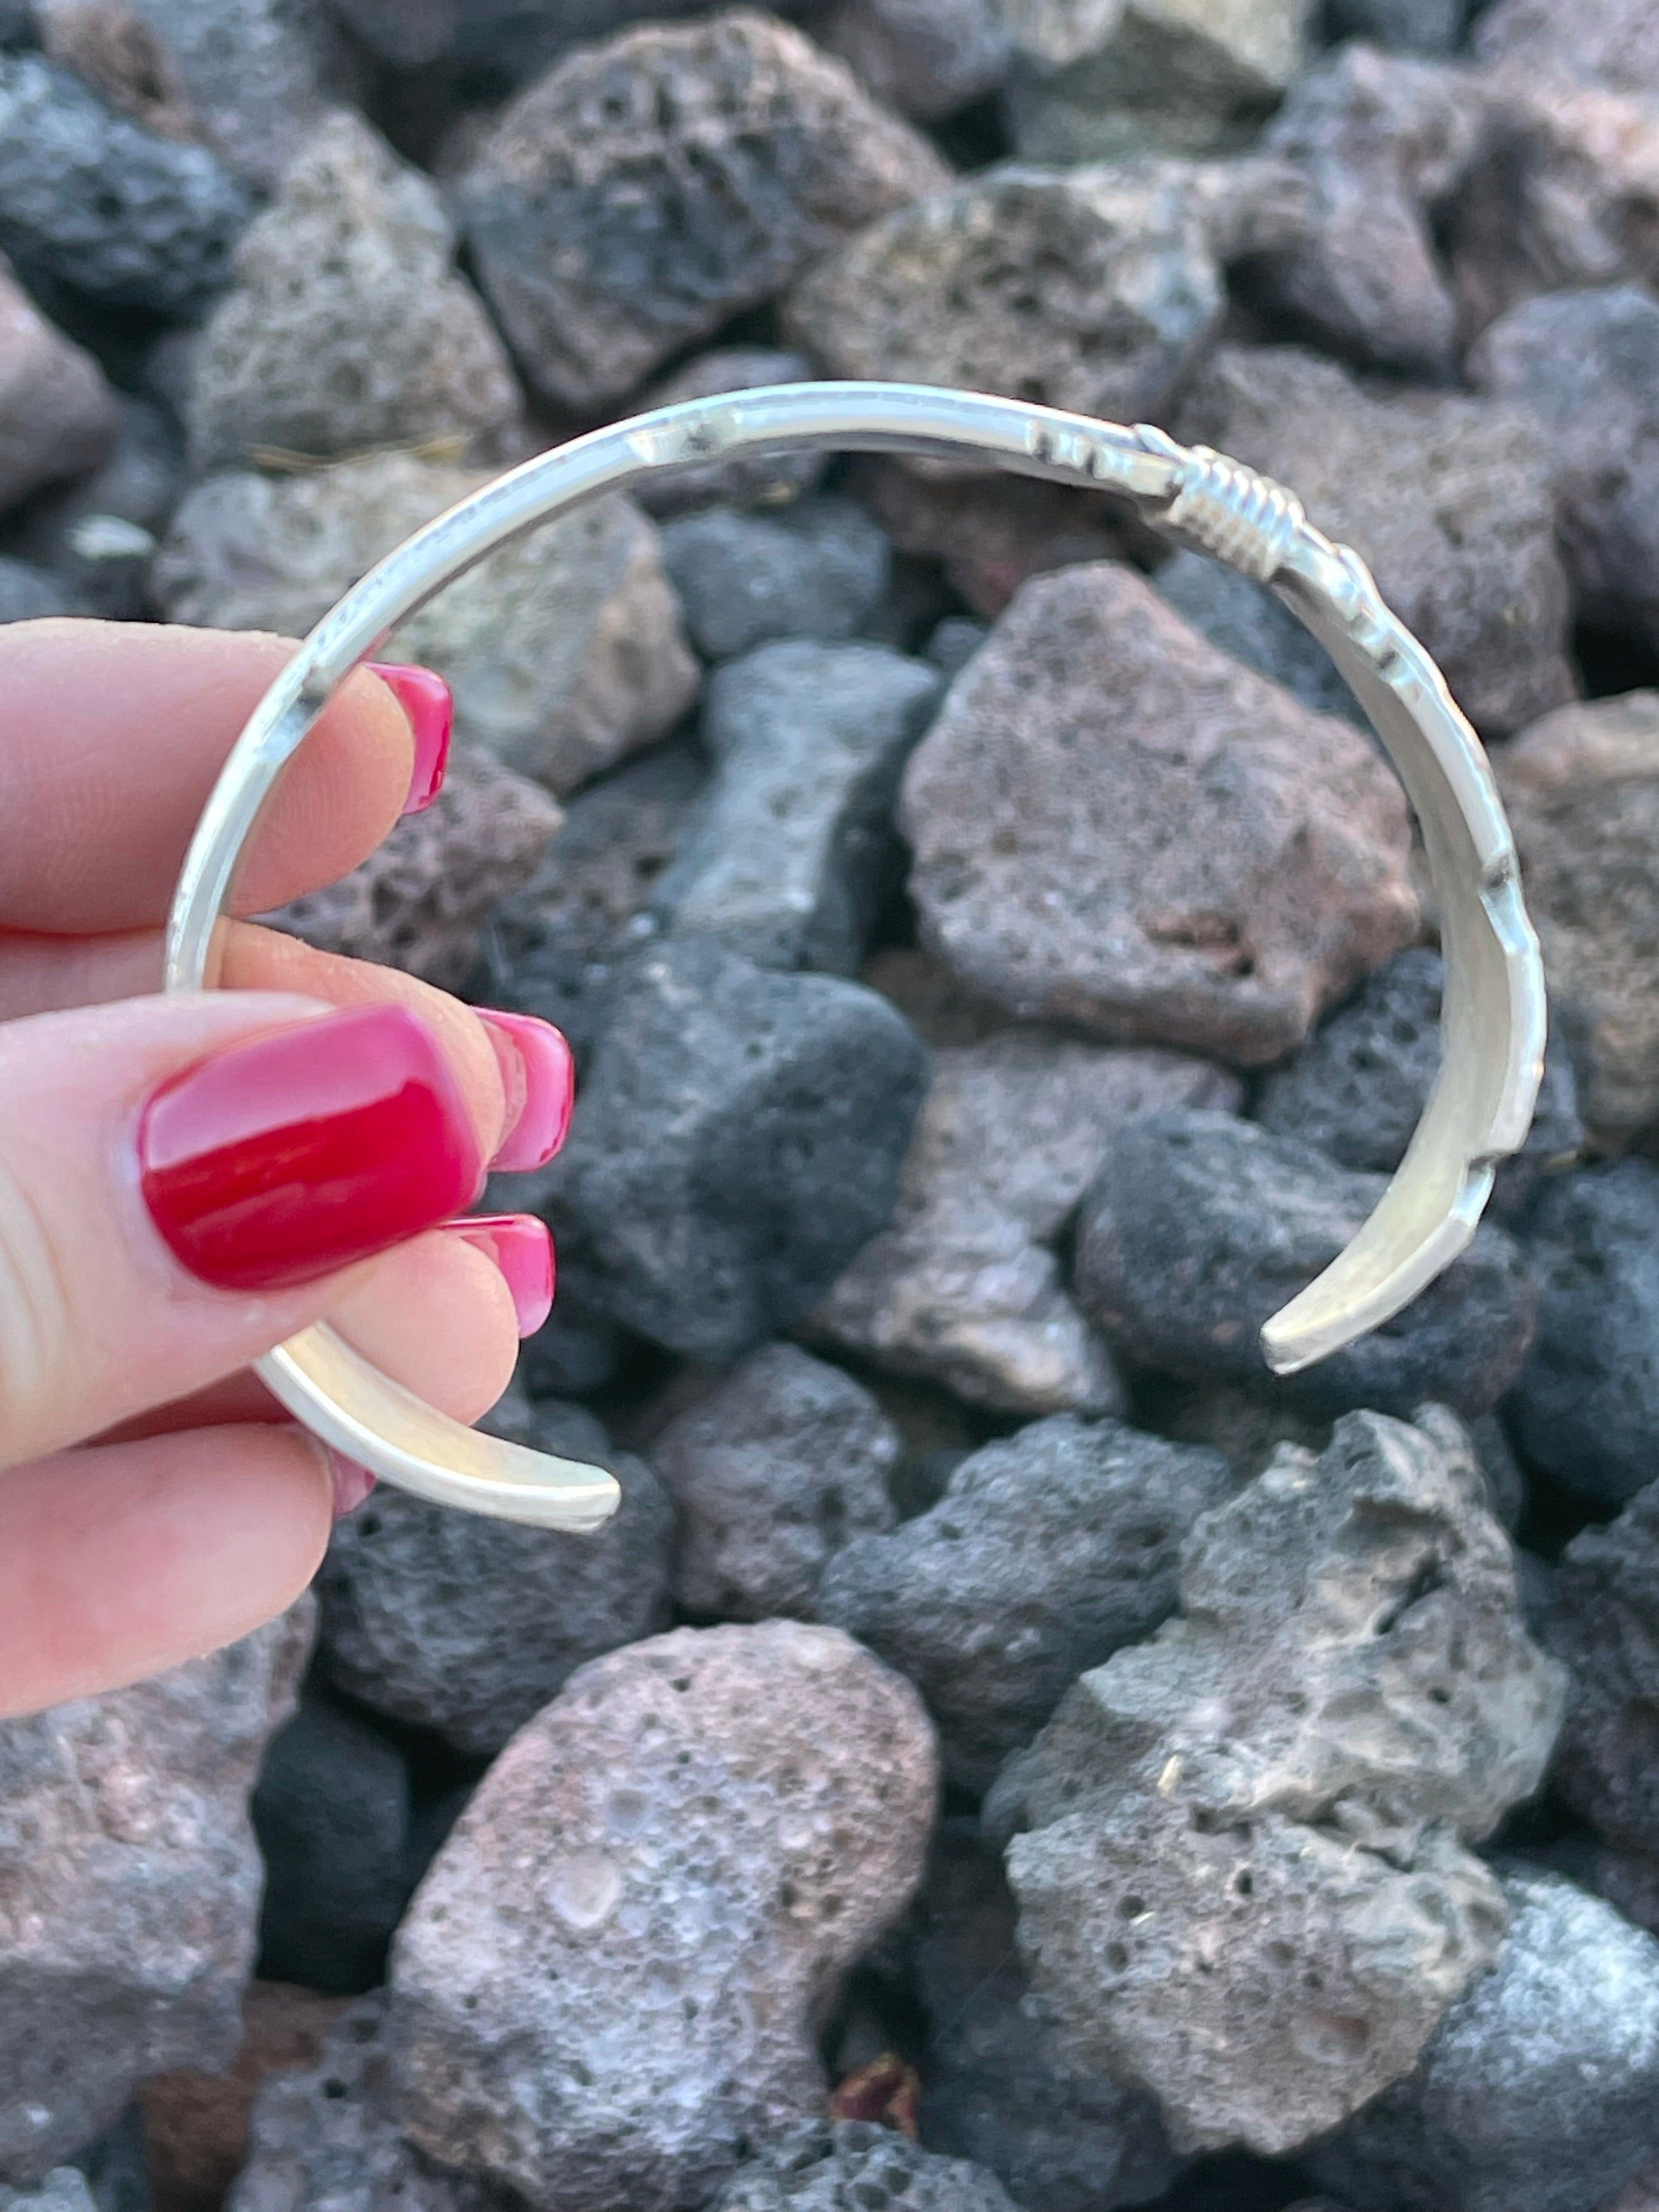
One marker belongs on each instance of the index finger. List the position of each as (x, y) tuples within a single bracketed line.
[(112, 735)]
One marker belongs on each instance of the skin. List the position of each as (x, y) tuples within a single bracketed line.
[(155, 1502)]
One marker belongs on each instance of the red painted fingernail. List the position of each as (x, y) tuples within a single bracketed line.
[(539, 1071), (430, 705), (522, 1247), (283, 1159), (352, 1484)]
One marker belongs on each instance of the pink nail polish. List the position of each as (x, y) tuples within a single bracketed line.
[(352, 1484), (540, 1074), (430, 705), (522, 1248)]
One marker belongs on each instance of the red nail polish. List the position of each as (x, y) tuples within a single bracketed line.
[(522, 1247), (283, 1159), (540, 1073), (430, 705)]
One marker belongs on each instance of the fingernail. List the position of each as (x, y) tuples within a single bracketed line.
[(352, 1484), (280, 1160), (522, 1247), (539, 1071), (430, 705)]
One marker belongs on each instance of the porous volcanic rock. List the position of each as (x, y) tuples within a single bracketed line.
[(755, 480), (58, 417), (1604, 1625), (1613, 42), (819, 568), (925, 58), (820, 2167)]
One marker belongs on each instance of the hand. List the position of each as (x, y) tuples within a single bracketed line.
[(185, 1181)]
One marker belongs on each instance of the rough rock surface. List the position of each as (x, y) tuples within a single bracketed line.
[(816, 570), (347, 327), (130, 1887), (92, 199), (1587, 1405), (1246, 1881), (1582, 791), (648, 189), (997, 2086), (1048, 1552), (564, 650), (606, 1985), (761, 480), (64, 2189), (1039, 807), (421, 899), (794, 849), (1243, 619), (925, 58), (819, 2167), (784, 1462), (1613, 42), (1540, 2092), (1097, 291), (469, 1625), (58, 417), (1604, 1625), (1449, 500), (738, 1139), (1199, 1227), (965, 1285)]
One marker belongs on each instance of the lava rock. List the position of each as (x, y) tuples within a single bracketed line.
[(58, 417), (1582, 790), (783, 1463), (332, 1811), (794, 849), (28, 593), (422, 899), (1038, 807), (94, 200), (141, 484), (467, 1626), (1537, 2092), (965, 1285), (1048, 1552), (1246, 1881), (818, 569), (925, 58), (821, 2167), (130, 1886), (648, 189), (1118, 293), (1148, 75), (1199, 1227), (1405, 27), (608, 1985), (1358, 1086), (495, 38), (564, 649), (751, 480), (1604, 1625), (1613, 42), (739, 1138), (1448, 498), (347, 327), (64, 2189), (1240, 618)]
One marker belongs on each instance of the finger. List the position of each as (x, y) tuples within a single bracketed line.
[(113, 735), (118, 1560)]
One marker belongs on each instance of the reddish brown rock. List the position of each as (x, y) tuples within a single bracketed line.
[(58, 417)]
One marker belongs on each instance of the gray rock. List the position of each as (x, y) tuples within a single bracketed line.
[(965, 1286), (783, 1463), (925, 58), (1045, 872), (496, 37), (468, 1626), (1604, 1625), (347, 327), (1448, 498), (422, 900), (1613, 42), (819, 2167), (739, 1138), (1358, 1086), (142, 482), (1240, 617), (130, 1887), (1538, 2092), (1198, 1228), (27, 593), (1047, 1553), (758, 480), (564, 649), (954, 643), (58, 417), (1117, 294), (64, 2189), (609, 1983), (1402, 26), (997, 2086), (94, 200), (1246, 1882), (794, 849), (648, 189), (1582, 791), (816, 570)]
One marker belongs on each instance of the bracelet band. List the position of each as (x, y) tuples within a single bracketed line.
[(1492, 1018)]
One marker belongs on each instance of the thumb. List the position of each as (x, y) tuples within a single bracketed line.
[(185, 1181)]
